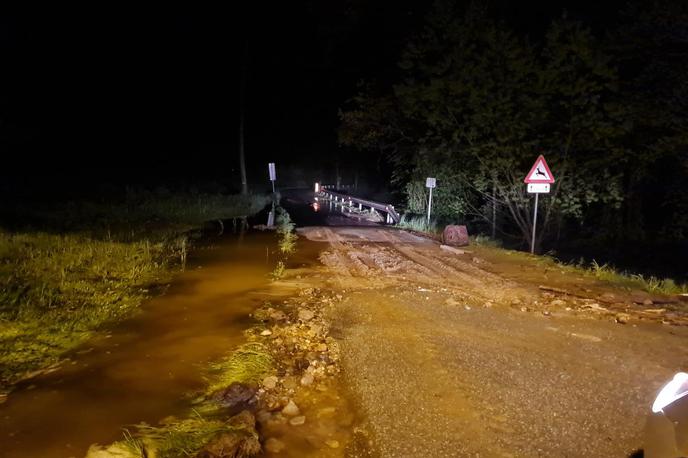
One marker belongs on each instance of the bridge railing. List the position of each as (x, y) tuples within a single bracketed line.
[(391, 216)]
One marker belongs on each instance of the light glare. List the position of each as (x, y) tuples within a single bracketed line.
[(675, 389)]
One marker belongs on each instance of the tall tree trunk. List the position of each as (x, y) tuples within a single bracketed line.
[(242, 100)]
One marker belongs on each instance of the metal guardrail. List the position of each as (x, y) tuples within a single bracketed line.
[(392, 217)]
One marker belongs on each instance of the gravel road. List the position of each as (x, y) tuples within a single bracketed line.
[(446, 358)]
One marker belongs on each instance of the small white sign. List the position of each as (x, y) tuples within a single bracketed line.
[(430, 182), (538, 188), (273, 173)]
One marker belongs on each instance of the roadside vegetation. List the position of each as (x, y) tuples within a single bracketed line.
[(91, 263), (230, 382), (603, 272), (286, 242), (607, 110)]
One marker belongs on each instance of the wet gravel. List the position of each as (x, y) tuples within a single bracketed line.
[(443, 364)]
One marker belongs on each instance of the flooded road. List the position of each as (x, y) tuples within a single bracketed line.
[(141, 369)]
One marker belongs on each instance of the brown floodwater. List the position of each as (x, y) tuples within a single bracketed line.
[(140, 370)]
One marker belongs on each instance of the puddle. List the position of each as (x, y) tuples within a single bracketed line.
[(141, 370)]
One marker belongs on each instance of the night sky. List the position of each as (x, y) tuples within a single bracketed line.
[(151, 96)]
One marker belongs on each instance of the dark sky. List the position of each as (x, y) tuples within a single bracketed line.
[(152, 95)]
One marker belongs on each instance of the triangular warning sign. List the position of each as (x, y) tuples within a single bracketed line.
[(540, 173)]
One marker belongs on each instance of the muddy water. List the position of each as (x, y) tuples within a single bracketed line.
[(141, 369)]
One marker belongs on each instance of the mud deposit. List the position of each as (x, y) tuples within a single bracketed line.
[(149, 368)]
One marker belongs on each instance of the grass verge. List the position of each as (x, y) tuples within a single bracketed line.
[(90, 265)]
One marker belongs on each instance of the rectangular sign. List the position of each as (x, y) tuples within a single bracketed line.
[(538, 188), (273, 173), (430, 182)]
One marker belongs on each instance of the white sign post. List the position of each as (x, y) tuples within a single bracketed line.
[(538, 180), (273, 175), (430, 183)]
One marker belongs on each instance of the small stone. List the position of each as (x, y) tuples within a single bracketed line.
[(467, 307), (326, 412), (291, 409), (622, 318), (487, 304), (306, 315), (546, 312), (332, 443), (524, 309), (270, 382), (273, 445), (267, 332), (648, 302), (557, 303), (297, 421), (307, 380)]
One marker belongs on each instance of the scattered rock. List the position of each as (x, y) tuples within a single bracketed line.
[(557, 303), (278, 315), (273, 445), (270, 382), (332, 443), (467, 307), (477, 260), (267, 332), (306, 315), (297, 421), (622, 318), (594, 306), (240, 442), (291, 409), (487, 304), (451, 249), (607, 297), (116, 450), (307, 379), (546, 312), (237, 394)]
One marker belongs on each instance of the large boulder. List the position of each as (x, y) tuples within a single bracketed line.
[(455, 235)]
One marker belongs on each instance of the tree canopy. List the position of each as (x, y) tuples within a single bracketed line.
[(475, 103)]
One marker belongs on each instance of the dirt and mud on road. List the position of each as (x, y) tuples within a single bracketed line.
[(451, 353)]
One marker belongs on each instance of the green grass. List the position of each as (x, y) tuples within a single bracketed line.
[(650, 284), (418, 223), (602, 272), (249, 364), (93, 265)]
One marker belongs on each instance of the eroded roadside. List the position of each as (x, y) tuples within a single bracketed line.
[(462, 354)]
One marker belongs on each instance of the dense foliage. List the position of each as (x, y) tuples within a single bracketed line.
[(476, 103)]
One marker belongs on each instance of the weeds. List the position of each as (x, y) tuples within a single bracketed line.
[(182, 438), (484, 240), (98, 264), (418, 223), (278, 271), (285, 230), (249, 364)]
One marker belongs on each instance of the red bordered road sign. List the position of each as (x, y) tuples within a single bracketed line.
[(540, 173)]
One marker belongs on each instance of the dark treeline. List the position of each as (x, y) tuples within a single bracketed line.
[(476, 102)]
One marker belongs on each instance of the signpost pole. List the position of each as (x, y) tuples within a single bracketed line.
[(429, 205), (532, 240)]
